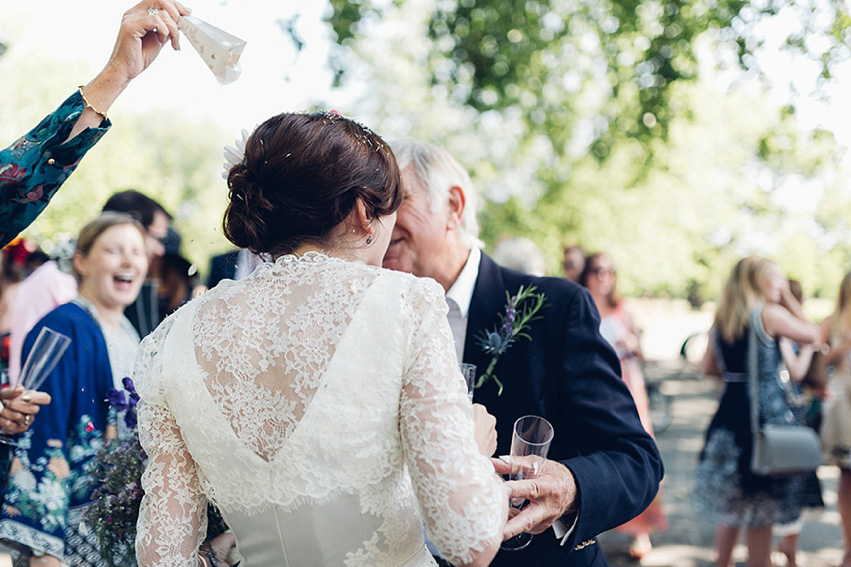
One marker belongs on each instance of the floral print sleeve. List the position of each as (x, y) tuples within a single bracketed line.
[(33, 168)]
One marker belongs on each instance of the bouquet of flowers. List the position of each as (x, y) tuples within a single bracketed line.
[(115, 474), (116, 478)]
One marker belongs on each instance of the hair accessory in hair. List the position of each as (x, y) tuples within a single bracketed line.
[(332, 114), (235, 154)]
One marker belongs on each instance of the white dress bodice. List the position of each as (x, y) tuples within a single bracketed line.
[(319, 405)]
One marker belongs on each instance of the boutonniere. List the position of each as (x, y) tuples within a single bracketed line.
[(521, 309)]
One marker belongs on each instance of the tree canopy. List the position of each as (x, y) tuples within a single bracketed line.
[(644, 129)]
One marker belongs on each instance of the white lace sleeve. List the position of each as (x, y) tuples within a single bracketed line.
[(463, 502), (172, 518)]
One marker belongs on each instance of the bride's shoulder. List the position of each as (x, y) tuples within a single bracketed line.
[(412, 284), (413, 294), (152, 350)]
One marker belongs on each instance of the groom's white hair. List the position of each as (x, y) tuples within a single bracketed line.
[(437, 170)]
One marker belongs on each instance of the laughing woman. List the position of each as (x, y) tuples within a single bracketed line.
[(48, 488)]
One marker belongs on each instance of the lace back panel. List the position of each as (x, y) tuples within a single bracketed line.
[(264, 352)]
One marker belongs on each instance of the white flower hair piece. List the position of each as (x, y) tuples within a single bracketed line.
[(235, 154)]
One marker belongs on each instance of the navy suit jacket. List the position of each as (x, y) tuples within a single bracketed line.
[(568, 374), (222, 267)]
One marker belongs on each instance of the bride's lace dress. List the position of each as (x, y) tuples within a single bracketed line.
[(319, 404)]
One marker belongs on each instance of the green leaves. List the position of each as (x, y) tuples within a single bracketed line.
[(616, 124)]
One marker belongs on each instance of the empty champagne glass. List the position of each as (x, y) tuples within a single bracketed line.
[(469, 372), (48, 348), (530, 444)]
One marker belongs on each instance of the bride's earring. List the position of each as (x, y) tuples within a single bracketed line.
[(369, 240)]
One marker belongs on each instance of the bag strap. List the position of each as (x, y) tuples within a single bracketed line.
[(753, 373)]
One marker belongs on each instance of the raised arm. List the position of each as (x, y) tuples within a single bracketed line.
[(797, 364), (145, 29), (34, 167), (463, 502), (780, 321)]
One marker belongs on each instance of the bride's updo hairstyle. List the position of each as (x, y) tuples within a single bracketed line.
[(302, 176)]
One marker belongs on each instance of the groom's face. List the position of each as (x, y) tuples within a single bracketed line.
[(419, 237)]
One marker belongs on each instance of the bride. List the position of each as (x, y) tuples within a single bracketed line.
[(317, 403)]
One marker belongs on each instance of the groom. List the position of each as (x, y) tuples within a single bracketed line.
[(604, 468)]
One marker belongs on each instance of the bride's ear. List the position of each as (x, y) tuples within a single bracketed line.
[(361, 218)]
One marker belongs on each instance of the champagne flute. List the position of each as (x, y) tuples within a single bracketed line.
[(48, 348), (530, 444), (469, 372)]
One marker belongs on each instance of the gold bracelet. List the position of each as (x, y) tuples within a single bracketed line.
[(86, 104)]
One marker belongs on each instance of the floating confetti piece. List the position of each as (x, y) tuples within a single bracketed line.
[(90, 427), (193, 269)]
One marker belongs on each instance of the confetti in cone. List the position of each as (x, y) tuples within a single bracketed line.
[(219, 49)]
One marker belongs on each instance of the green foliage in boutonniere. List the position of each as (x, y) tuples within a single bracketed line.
[(520, 310)]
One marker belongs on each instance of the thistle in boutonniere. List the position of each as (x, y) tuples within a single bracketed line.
[(521, 309)]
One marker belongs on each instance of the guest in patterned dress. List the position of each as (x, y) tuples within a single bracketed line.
[(48, 486), (33, 168), (756, 303), (807, 492)]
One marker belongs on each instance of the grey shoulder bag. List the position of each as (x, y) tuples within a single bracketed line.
[(778, 449)]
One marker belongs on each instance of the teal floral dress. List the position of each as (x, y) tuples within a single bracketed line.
[(33, 168), (48, 487)]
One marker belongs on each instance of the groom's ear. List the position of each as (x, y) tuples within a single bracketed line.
[(455, 207)]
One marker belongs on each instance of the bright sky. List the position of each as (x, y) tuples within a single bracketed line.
[(274, 77)]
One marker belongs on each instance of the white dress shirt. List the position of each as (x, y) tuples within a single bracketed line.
[(458, 299)]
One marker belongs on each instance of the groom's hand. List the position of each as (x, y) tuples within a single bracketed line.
[(552, 495)]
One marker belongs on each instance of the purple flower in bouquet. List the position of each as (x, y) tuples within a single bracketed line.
[(520, 310), (117, 400), (131, 389), (130, 419)]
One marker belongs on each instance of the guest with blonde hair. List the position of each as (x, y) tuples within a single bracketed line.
[(756, 309)]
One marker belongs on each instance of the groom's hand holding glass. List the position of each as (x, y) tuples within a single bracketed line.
[(551, 496), (19, 407)]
